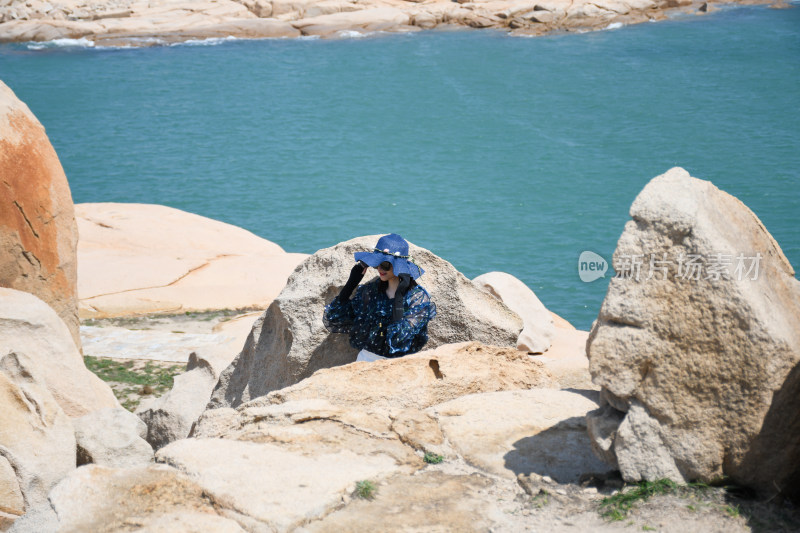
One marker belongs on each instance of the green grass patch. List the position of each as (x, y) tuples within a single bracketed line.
[(366, 490), (130, 380), (617, 507), (433, 458)]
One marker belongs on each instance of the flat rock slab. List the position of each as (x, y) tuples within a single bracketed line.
[(138, 259), (275, 489), (540, 431)]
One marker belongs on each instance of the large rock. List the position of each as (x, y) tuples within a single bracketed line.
[(538, 331), (139, 258), (289, 342), (38, 234), (112, 437), (421, 380), (171, 416), (30, 326), (699, 367), (36, 437)]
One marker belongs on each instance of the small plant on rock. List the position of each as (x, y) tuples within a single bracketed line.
[(433, 458), (366, 489)]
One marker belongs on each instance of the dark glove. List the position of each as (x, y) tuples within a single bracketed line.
[(400, 297), (356, 275)]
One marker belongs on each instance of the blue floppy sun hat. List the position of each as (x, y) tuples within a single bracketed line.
[(394, 249)]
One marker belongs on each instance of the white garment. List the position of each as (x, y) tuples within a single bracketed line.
[(365, 355)]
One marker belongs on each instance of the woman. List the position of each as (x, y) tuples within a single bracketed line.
[(388, 317)]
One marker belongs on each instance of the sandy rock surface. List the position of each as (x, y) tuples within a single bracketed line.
[(289, 341), (139, 259), (698, 359), (29, 326), (140, 23), (38, 234)]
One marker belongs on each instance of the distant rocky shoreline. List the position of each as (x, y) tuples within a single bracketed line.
[(137, 23)]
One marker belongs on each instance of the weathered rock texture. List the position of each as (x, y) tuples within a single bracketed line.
[(37, 443), (30, 326), (171, 416), (153, 498), (289, 342), (538, 331), (699, 367), (112, 437), (140, 258), (38, 234)]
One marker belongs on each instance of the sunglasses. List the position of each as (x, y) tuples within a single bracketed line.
[(386, 266)]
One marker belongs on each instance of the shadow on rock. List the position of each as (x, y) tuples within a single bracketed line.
[(562, 452)]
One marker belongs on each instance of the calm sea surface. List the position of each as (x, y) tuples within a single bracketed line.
[(496, 153)]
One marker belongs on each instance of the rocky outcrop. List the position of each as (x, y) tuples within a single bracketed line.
[(289, 342), (294, 459), (172, 416), (30, 326), (538, 330), (112, 437), (38, 234), (37, 443), (696, 343), (126, 22), (138, 258)]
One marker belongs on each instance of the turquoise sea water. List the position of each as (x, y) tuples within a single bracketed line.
[(497, 153)]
